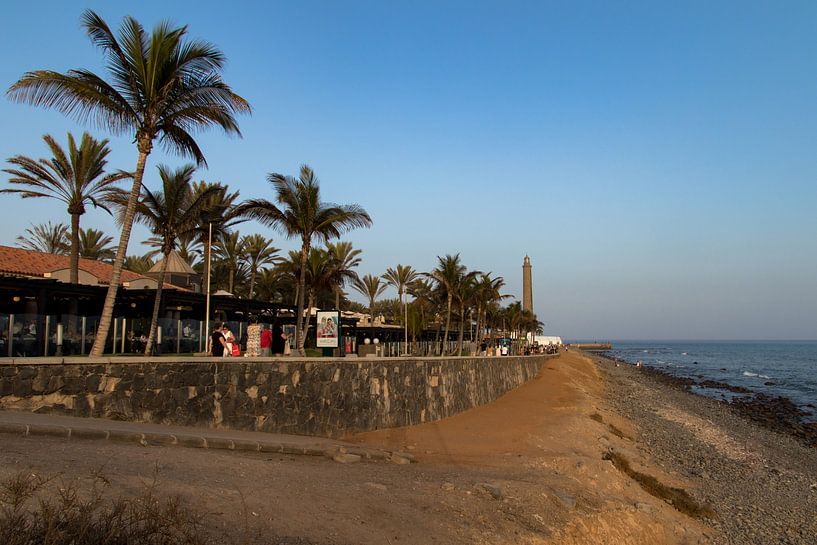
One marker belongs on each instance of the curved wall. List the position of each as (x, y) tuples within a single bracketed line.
[(325, 397)]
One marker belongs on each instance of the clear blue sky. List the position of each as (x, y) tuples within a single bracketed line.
[(657, 160)]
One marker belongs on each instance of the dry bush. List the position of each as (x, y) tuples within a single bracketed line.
[(38, 510)]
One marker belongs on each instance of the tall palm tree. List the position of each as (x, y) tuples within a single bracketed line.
[(77, 178), (95, 245), (272, 285), (424, 297), (45, 237), (371, 288), (218, 217), (400, 278), (345, 259), (187, 247), (447, 274), (488, 293), (228, 250), (301, 213), (168, 213), (161, 86), (320, 277), (258, 251), (464, 295)]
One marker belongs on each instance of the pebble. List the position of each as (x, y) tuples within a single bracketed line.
[(345, 458), (769, 498), (492, 489)]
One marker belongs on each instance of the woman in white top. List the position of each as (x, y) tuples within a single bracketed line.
[(229, 338)]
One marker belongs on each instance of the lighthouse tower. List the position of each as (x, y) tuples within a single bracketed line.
[(527, 285)]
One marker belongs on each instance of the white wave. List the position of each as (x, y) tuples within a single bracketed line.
[(748, 374), (764, 376), (684, 354)]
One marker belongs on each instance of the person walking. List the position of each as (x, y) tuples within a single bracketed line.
[(229, 339), (265, 341), (253, 338), (278, 339), (217, 343)]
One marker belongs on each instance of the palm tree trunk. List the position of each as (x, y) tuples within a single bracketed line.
[(230, 279), (311, 301), (371, 320), (299, 339), (447, 327), (337, 298), (154, 320), (462, 330), (405, 320), (106, 317), (74, 249), (252, 282)]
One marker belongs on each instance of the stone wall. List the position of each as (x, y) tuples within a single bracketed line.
[(326, 397)]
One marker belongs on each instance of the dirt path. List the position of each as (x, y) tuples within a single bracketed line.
[(525, 469)]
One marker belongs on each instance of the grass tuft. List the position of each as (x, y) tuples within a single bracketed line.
[(34, 509)]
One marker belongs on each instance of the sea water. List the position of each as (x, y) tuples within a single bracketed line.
[(779, 368)]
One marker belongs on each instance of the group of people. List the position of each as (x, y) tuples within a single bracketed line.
[(261, 341), (493, 350)]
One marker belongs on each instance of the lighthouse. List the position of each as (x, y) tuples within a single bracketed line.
[(527, 285)]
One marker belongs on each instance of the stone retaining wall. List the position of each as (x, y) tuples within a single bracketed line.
[(325, 397)]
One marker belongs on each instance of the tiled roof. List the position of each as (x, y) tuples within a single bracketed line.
[(20, 262)]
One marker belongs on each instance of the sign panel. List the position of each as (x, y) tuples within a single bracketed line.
[(328, 331)]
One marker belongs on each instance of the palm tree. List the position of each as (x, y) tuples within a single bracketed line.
[(76, 178), (464, 294), (302, 214), (168, 213), (257, 252), (488, 293), (370, 287), (186, 247), (161, 87), (218, 217), (138, 264), (424, 298), (447, 274), (95, 245), (228, 250), (345, 259), (400, 278), (272, 285), (320, 277), (45, 237)]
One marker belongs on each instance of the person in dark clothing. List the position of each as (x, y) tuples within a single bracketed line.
[(277, 339), (217, 342)]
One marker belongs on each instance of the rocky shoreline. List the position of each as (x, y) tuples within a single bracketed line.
[(751, 461), (776, 413)]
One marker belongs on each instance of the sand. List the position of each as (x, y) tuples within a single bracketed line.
[(528, 468)]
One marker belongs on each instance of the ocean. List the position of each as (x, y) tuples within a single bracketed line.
[(779, 368)]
